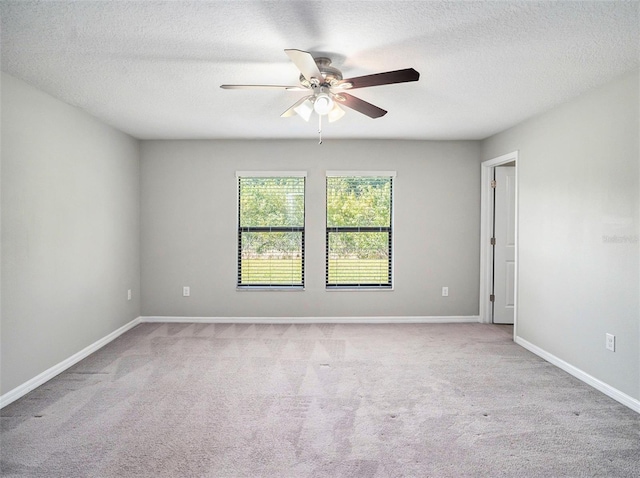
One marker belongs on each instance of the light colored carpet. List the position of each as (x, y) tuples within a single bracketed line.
[(242, 400)]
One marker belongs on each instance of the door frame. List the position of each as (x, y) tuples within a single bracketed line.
[(486, 226)]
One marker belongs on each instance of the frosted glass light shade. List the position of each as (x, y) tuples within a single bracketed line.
[(304, 109), (336, 113), (323, 104)]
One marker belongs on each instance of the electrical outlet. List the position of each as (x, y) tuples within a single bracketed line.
[(445, 292), (186, 291), (129, 294), (610, 342)]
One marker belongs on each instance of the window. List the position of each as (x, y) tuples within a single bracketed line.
[(270, 230), (359, 234)]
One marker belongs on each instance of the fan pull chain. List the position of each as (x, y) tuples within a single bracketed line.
[(320, 128)]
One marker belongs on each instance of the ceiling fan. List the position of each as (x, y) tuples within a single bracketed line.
[(327, 88)]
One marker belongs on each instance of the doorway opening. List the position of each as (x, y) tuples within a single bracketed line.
[(499, 241)]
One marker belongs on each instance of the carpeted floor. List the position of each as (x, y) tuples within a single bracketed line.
[(326, 400)]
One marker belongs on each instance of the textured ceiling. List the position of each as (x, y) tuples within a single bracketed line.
[(153, 69)]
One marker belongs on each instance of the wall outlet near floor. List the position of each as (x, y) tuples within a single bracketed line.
[(610, 342), (445, 292), (186, 291), (129, 294)]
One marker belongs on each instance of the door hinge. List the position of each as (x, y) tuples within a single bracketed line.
[(493, 184), (493, 241), (492, 298)]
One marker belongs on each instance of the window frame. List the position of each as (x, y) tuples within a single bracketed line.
[(240, 230), (391, 175)]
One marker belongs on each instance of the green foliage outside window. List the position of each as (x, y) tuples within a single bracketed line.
[(271, 202), (358, 201)]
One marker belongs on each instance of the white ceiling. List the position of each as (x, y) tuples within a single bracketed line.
[(153, 69)]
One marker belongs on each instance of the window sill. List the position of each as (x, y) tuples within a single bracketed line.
[(268, 289), (359, 289)]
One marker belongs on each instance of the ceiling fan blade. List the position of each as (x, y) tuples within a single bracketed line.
[(262, 87), (305, 63), (386, 78), (292, 111), (360, 106)]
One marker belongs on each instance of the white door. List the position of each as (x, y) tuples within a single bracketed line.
[(504, 263)]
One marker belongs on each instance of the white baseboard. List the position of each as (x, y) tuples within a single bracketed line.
[(21, 390), (318, 320), (608, 390)]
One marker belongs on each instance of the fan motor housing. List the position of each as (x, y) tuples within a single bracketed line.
[(330, 74)]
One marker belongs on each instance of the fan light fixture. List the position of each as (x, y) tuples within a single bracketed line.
[(323, 104), (305, 109), (336, 113)]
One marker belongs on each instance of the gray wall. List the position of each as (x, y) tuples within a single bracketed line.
[(578, 176), (189, 223), (70, 231)]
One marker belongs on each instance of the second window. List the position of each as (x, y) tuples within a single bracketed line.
[(359, 234)]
